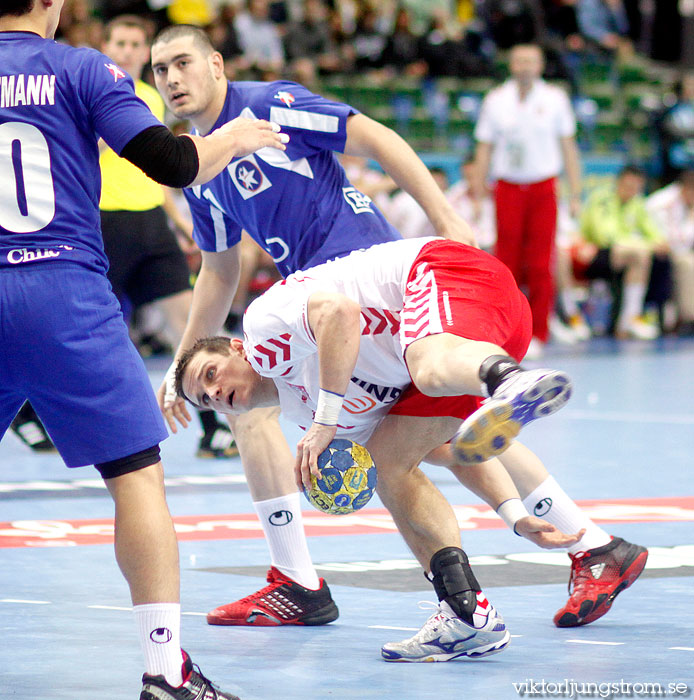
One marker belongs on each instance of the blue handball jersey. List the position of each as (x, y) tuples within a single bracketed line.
[(297, 204), (55, 101)]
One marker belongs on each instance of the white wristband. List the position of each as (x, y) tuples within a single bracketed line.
[(328, 408), (511, 511), (170, 384)]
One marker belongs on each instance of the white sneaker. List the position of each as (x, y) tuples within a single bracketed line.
[(580, 327), (445, 637), (535, 350), (520, 399), (638, 329), (561, 332)]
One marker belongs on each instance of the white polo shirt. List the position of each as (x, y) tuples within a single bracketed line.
[(675, 220), (525, 134)]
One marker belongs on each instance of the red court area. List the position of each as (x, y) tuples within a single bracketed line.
[(69, 533)]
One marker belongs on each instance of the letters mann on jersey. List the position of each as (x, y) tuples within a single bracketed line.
[(26, 90)]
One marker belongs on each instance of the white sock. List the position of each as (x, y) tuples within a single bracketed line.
[(551, 503), (284, 532), (632, 303), (159, 627), (568, 303)]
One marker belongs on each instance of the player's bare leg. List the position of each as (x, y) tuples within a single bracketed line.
[(592, 589), (269, 467), (465, 624), (448, 365)]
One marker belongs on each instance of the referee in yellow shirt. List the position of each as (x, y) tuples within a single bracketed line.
[(146, 263)]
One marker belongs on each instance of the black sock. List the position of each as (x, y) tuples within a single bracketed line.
[(495, 369), (454, 581), (209, 422)]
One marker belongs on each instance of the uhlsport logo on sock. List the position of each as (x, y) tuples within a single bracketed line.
[(280, 517), (161, 635), (542, 507)]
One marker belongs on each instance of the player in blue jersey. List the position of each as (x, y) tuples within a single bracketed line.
[(65, 345), (300, 207)]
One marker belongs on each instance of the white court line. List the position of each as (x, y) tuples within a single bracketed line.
[(108, 607), (30, 602), (682, 648), (587, 641), (195, 613), (624, 417)]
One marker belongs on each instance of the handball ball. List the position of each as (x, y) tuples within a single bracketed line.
[(347, 480)]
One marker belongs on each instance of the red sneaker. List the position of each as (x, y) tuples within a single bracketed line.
[(283, 602), (598, 577)]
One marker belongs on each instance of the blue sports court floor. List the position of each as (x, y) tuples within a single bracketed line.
[(624, 445)]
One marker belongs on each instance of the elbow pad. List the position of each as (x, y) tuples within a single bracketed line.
[(169, 160)]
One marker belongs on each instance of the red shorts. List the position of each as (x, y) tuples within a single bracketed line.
[(454, 288)]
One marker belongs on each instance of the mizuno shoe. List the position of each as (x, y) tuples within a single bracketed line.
[(445, 637), (520, 399), (283, 602), (598, 576)]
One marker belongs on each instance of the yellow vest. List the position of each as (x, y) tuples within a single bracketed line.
[(124, 187)]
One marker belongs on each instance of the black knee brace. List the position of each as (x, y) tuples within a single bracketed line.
[(495, 369), (454, 581)]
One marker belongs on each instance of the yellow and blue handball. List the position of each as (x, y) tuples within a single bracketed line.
[(347, 478)]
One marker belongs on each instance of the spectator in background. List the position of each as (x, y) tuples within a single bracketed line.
[(512, 22), (407, 216), (672, 208), (604, 25), (260, 40), (309, 46), (676, 131), (368, 40), (402, 52), (224, 38), (525, 133), (622, 243), (451, 49), (479, 213)]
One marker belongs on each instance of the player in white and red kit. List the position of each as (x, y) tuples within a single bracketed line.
[(338, 344)]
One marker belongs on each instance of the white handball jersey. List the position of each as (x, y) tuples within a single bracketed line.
[(280, 344)]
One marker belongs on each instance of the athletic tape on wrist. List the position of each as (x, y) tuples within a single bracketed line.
[(170, 384), (328, 408), (511, 511)]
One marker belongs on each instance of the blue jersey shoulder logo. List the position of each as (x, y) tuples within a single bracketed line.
[(115, 71), (286, 97)]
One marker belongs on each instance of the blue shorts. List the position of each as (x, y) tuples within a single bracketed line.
[(64, 346)]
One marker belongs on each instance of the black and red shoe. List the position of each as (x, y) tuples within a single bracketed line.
[(282, 602), (194, 687), (598, 576)]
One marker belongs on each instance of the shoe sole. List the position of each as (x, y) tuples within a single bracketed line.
[(489, 431), (324, 616), (478, 653), (603, 607)]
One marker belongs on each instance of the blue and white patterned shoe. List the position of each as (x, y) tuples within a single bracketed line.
[(523, 397), (445, 637)]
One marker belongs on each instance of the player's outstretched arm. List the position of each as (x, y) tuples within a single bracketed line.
[(370, 139), (334, 320)]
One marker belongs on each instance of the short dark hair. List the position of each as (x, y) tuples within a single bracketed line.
[(130, 21), (16, 8), (177, 31), (218, 344), (632, 169)]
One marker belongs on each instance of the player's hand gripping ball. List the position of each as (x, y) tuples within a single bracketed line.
[(347, 480)]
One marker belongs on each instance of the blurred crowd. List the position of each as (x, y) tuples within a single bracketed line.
[(305, 39)]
